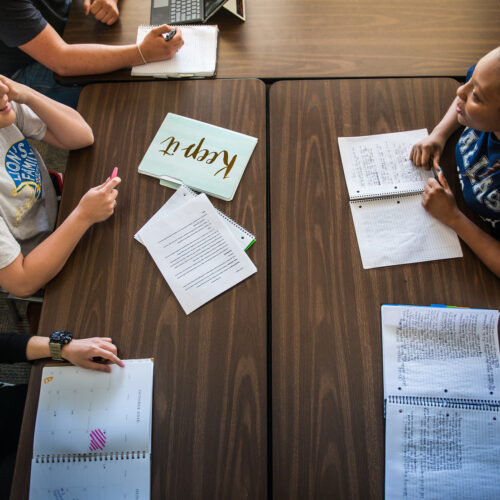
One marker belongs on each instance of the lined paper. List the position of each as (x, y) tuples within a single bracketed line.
[(398, 230)]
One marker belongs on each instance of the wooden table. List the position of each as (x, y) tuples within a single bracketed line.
[(326, 38), (327, 393), (209, 434)]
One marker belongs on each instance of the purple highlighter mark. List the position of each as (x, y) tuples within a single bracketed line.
[(97, 440)]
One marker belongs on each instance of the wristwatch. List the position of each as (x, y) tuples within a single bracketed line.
[(56, 342)]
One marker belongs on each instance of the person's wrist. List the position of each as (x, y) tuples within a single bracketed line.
[(27, 97), (455, 220), (81, 217)]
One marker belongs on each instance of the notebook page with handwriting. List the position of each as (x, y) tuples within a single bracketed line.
[(441, 352), (398, 230), (380, 165), (385, 189), (442, 402)]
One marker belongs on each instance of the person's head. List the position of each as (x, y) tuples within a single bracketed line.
[(478, 103), (7, 113)]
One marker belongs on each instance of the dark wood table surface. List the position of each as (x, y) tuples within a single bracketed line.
[(327, 391), (209, 434), (326, 38)]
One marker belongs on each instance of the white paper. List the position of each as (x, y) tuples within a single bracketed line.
[(442, 453), (399, 231), (377, 165), (197, 57), (86, 411), (91, 480), (181, 196), (441, 352), (196, 253)]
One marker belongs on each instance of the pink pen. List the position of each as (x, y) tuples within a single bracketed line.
[(114, 173)]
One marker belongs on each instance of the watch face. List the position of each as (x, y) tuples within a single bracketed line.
[(61, 337)]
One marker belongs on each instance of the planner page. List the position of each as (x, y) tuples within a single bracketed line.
[(376, 165), (441, 352), (85, 411), (442, 453), (196, 253), (91, 480), (398, 230)]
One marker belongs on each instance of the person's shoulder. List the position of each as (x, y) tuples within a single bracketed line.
[(20, 22)]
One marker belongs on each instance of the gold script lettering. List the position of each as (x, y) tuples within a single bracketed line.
[(171, 142), (197, 153)]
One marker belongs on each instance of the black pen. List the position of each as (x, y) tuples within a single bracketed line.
[(434, 173), (170, 34)]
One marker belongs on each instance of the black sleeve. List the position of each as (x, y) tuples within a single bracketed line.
[(13, 347), (20, 22)]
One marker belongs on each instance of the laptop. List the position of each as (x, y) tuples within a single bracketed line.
[(183, 11)]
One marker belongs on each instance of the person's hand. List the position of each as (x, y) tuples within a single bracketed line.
[(105, 11), (99, 203), (422, 151), (439, 201), (155, 48), (15, 91), (81, 352)]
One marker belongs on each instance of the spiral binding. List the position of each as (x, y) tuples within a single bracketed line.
[(86, 457), (384, 196), (460, 403), (224, 216)]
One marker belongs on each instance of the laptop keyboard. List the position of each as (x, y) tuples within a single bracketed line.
[(185, 10)]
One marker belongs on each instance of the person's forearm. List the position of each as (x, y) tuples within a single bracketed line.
[(48, 258), (87, 59), (65, 124), (448, 124), (37, 348), (481, 243)]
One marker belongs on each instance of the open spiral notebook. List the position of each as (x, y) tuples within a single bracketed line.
[(442, 402), (93, 433), (197, 58), (385, 191)]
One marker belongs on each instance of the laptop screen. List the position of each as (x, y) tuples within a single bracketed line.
[(211, 6)]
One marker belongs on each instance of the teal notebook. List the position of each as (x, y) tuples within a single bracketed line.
[(204, 157)]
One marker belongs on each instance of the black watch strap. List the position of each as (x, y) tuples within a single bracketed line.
[(56, 342)]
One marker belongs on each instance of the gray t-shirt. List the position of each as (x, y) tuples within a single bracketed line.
[(28, 204)]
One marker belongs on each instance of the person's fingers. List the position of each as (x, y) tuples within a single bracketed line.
[(109, 184), (97, 9), (443, 181), (114, 182), (432, 183), (164, 28), (435, 160), (412, 154), (105, 354), (424, 160), (111, 19), (86, 6)]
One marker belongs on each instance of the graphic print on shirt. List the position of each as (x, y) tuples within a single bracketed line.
[(22, 166), (475, 167)]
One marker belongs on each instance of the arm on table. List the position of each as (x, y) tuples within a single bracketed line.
[(439, 201), (433, 144), (26, 275), (52, 51)]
